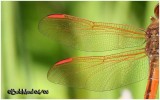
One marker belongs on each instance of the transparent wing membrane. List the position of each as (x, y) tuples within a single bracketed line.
[(90, 36), (100, 73)]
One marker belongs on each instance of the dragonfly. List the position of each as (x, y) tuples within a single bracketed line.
[(108, 72)]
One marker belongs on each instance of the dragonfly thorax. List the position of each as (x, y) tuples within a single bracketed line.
[(152, 38)]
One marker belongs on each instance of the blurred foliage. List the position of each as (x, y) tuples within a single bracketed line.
[(27, 55)]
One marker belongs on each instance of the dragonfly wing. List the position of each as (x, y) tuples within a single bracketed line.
[(90, 36), (100, 73)]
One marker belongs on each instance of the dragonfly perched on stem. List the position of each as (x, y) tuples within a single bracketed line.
[(100, 73)]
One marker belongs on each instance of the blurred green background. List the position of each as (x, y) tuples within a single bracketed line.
[(27, 54)]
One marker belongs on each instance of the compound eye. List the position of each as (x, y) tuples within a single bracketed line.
[(156, 11)]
